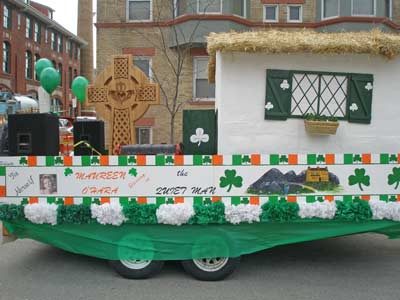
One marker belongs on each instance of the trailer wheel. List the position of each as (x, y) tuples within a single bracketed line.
[(211, 269), (137, 269)]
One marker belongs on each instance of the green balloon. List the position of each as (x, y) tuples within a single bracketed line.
[(42, 64), (50, 79), (79, 85)]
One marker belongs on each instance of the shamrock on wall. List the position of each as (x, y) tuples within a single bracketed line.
[(320, 159), (58, 161), (230, 179), (394, 178), (133, 172), (132, 160), (95, 160), (68, 171), (23, 161), (393, 158), (199, 137), (359, 178), (207, 160)]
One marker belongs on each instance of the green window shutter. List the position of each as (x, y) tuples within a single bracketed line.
[(278, 94), (360, 98)]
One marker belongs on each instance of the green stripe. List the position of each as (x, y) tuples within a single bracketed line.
[(197, 160), (160, 200), (2, 171), (124, 200), (384, 158), (160, 160), (87, 201), (311, 159), (235, 200), (310, 199), (236, 160), (274, 159), (348, 159), (49, 161), (85, 161), (122, 160)]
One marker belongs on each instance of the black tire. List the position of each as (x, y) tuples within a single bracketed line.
[(136, 269), (219, 270)]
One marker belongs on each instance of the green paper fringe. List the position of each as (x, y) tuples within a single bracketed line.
[(11, 212), (281, 211), (358, 210), (208, 214), (140, 213), (74, 214)]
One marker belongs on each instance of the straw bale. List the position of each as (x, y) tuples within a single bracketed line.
[(374, 42)]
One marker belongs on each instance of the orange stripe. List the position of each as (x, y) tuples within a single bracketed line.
[(179, 160), (68, 201), (217, 160), (3, 191), (68, 161), (330, 159), (398, 197), (366, 158), (329, 198), (179, 200), (104, 200), (32, 161), (33, 200), (142, 200), (255, 200), (291, 199), (292, 159), (141, 160), (104, 160), (255, 159), (216, 199), (366, 197)]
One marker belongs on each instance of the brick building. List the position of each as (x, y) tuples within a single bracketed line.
[(145, 28), (28, 33)]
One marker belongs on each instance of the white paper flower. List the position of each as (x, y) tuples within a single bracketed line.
[(369, 86), (242, 213), (108, 213), (199, 137), (323, 210), (269, 106), (354, 107), (174, 214), (382, 210), (41, 213), (284, 85)]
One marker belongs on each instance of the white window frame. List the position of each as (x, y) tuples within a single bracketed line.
[(198, 6), (209, 13), (276, 13), (300, 20), (150, 135), (149, 58), (322, 11), (360, 15), (390, 10), (195, 59), (145, 20)]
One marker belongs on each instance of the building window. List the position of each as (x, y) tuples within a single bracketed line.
[(28, 65), (202, 89), (76, 51), (143, 135), (70, 77), (271, 13), (68, 47), (6, 17), (46, 36), (28, 28), (388, 8), (56, 106), (6, 57), (60, 70), (139, 10), (330, 9), (363, 7), (60, 43), (19, 21), (37, 57), (75, 73), (144, 64), (53, 41), (298, 93), (37, 33), (209, 6), (295, 13)]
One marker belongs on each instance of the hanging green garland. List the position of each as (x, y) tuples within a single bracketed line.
[(140, 214)]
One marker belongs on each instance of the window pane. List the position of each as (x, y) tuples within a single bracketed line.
[(270, 13), (6, 57), (331, 8), (202, 68), (333, 96), (209, 6), (238, 7), (144, 65), (388, 8), (363, 7), (204, 89), (143, 135), (294, 13), (139, 10), (304, 94)]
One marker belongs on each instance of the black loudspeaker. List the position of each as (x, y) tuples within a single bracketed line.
[(33, 134), (91, 133)]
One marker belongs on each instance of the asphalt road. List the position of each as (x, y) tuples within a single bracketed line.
[(355, 267)]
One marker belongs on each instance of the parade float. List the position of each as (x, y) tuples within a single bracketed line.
[(275, 180)]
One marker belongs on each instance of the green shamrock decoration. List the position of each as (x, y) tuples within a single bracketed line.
[(96, 201), (68, 171), (60, 201), (207, 160), (133, 172), (359, 178), (24, 201), (246, 159), (207, 201), (169, 160), (230, 180), (394, 178), (132, 201), (393, 158), (132, 160), (51, 200), (23, 161), (357, 158), (95, 160), (320, 158), (283, 159), (393, 198), (320, 199), (58, 161), (170, 201), (245, 200)]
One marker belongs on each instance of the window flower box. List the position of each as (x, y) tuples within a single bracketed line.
[(320, 125)]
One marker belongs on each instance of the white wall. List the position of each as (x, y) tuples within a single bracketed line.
[(240, 96)]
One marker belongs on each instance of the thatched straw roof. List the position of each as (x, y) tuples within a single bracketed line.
[(306, 41)]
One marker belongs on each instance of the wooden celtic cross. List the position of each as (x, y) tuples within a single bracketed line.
[(121, 94)]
